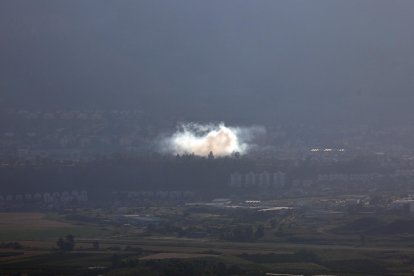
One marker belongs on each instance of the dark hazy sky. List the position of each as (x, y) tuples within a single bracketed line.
[(236, 60)]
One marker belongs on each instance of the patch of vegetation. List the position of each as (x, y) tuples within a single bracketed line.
[(47, 234), (398, 227), (357, 266), (10, 254), (370, 225), (198, 267), (300, 256), (11, 245), (66, 244), (361, 225)]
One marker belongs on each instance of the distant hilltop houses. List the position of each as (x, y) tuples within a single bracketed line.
[(261, 180), (47, 199), (361, 177), (157, 194)]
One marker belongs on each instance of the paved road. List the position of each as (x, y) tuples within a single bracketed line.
[(194, 245)]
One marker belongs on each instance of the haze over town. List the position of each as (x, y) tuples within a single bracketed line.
[(206, 137)]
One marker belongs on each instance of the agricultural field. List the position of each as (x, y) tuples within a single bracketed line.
[(302, 247), (40, 226)]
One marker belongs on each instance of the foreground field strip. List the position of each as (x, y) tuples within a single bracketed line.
[(161, 256), (27, 254), (207, 245)]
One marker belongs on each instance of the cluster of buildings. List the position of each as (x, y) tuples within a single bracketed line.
[(72, 135), (340, 177), (260, 180), (153, 195), (47, 199), (405, 205)]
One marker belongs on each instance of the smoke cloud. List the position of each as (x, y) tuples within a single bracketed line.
[(200, 140)]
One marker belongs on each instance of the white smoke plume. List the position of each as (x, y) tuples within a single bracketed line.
[(219, 139)]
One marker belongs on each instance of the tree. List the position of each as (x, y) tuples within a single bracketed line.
[(363, 239), (243, 233), (259, 233), (220, 269), (116, 261), (67, 244), (61, 244)]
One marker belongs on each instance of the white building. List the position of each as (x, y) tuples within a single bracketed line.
[(262, 180), (404, 204)]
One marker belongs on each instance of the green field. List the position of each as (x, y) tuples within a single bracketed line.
[(303, 250), (38, 226)]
